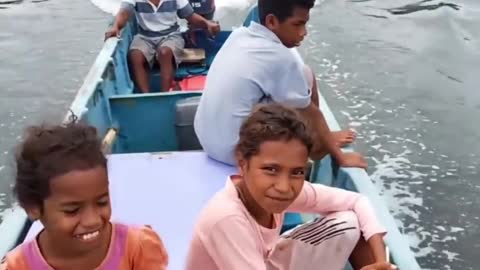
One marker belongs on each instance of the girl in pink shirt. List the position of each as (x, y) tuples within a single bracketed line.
[(239, 229), (62, 181)]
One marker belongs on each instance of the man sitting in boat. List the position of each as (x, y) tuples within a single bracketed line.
[(255, 65), (158, 36)]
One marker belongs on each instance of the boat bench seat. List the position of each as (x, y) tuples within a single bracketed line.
[(164, 190)]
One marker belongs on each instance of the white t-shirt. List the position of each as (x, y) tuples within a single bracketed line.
[(253, 66)]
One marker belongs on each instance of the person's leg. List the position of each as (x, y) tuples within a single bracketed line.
[(167, 70), (140, 54), (343, 137), (168, 57), (327, 242)]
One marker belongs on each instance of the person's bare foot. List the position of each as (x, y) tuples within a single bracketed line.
[(344, 137)]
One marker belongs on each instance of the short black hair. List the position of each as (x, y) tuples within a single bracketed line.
[(282, 9), (49, 151)]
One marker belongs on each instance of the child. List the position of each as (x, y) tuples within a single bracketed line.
[(240, 227), (158, 36), (62, 181)]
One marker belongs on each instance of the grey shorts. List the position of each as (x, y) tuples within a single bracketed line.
[(149, 46)]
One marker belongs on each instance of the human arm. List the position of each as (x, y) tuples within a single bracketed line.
[(315, 97), (321, 199), (127, 7), (377, 246), (185, 11), (199, 21)]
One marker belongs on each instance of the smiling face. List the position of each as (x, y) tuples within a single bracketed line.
[(275, 175), (77, 212)]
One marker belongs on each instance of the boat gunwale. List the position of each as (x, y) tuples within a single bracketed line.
[(93, 78)]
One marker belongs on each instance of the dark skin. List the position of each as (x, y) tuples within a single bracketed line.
[(291, 32), (272, 179), (165, 57), (76, 220)]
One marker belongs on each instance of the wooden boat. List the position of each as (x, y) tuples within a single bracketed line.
[(158, 173)]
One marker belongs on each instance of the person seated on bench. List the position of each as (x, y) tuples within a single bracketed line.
[(62, 182), (239, 228), (255, 65), (158, 37)]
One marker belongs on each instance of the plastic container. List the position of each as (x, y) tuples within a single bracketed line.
[(185, 110)]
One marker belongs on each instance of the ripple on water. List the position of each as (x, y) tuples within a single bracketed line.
[(404, 182)]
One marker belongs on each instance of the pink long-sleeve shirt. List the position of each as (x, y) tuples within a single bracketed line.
[(226, 236)]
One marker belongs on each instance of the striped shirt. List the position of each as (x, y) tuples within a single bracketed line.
[(157, 21)]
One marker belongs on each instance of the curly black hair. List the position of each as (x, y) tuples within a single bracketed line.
[(271, 122), (49, 151)]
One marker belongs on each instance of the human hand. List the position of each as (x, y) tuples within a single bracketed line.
[(213, 27), (113, 32)]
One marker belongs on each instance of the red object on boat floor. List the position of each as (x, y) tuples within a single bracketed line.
[(192, 83)]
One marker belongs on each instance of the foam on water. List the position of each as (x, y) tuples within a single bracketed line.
[(399, 180), (2, 204), (2, 199)]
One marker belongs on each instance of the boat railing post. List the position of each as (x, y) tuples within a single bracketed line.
[(109, 140)]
